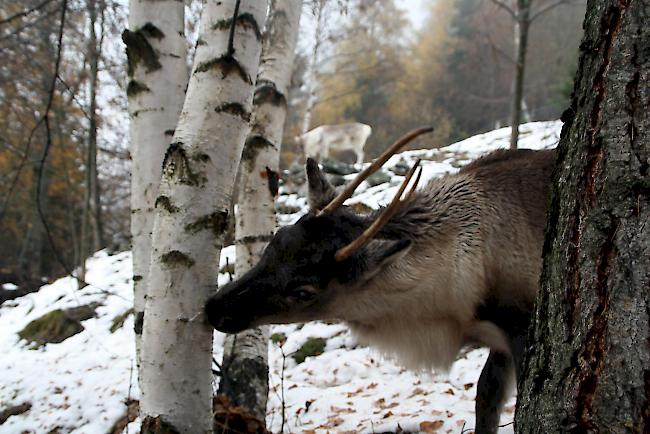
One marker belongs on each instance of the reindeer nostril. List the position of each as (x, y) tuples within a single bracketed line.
[(220, 317)]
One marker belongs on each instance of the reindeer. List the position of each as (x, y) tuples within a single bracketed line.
[(452, 264), (320, 141)]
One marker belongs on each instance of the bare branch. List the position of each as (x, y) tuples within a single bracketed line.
[(505, 7), (547, 8), (25, 12)]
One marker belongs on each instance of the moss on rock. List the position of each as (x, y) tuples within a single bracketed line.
[(57, 325), (313, 347)]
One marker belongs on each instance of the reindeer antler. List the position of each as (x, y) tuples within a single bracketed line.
[(383, 218), (376, 165)]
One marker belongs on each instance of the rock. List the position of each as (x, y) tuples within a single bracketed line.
[(14, 410), (335, 180), (57, 325), (334, 167), (379, 177), (313, 347), (401, 168)]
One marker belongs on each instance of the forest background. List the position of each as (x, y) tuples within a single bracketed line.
[(64, 178)]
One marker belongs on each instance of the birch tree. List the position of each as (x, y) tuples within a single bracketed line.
[(523, 15), (245, 367), (198, 173), (156, 50), (588, 370), (312, 72)]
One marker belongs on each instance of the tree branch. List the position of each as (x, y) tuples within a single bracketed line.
[(25, 12), (505, 7)]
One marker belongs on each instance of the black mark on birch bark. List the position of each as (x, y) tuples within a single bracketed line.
[(246, 21), (156, 425), (234, 109), (176, 257), (137, 278), (169, 133), (267, 93), (138, 322), (135, 87), (176, 166), (139, 51), (254, 239), (166, 203), (215, 222), (227, 65), (273, 179), (253, 146)]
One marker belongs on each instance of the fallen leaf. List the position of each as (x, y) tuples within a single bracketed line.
[(431, 427)]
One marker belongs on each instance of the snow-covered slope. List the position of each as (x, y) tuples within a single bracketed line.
[(81, 384)]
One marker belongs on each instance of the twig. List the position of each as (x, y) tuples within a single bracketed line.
[(25, 12)]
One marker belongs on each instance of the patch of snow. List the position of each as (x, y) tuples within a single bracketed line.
[(9, 286)]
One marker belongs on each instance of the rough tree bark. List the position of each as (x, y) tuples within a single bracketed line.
[(156, 50), (198, 173), (245, 367), (588, 369)]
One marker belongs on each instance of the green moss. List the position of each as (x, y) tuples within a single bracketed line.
[(57, 325), (176, 257), (313, 347), (118, 321), (278, 338)]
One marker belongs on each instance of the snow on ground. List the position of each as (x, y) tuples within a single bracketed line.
[(81, 384)]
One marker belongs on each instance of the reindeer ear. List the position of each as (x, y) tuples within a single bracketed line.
[(321, 191), (380, 253)]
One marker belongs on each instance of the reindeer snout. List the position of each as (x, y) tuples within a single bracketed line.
[(223, 317)]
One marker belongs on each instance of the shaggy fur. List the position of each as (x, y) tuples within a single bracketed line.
[(458, 264)]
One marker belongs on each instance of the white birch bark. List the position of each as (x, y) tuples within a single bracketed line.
[(198, 174), (245, 364), (157, 78)]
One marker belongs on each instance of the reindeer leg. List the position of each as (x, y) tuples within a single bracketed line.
[(493, 386)]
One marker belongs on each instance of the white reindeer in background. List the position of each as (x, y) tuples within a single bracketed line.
[(319, 142)]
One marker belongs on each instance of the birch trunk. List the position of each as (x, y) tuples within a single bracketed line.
[(91, 213), (522, 24), (199, 170), (157, 54), (588, 367), (313, 65), (245, 366)]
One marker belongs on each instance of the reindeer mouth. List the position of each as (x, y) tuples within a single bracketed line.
[(222, 321)]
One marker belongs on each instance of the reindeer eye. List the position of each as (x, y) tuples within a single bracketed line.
[(304, 292)]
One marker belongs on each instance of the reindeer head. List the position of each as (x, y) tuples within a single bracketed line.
[(309, 266)]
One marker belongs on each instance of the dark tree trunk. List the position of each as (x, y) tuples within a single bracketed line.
[(588, 369), (522, 24)]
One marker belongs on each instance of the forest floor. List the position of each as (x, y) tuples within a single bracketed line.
[(83, 383)]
